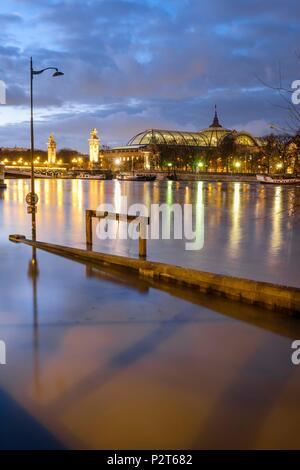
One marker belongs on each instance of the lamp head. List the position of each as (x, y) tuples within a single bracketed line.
[(57, 74)]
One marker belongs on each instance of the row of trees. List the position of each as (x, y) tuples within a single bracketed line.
[(279, 154)]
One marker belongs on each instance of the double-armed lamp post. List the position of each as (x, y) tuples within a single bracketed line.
[(32, 198)]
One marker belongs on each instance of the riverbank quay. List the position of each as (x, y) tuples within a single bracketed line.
[(160, 175), (213, 177)]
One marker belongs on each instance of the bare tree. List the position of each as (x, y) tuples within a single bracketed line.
[(292, 110)]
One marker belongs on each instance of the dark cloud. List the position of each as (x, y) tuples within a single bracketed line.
[(131, 64), (7, 18)]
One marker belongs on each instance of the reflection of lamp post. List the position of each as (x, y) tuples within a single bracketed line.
[(33, 198), (33, 274)]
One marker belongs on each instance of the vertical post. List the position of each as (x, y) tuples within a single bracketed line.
[(33, 207), (142, 239), (89, 228)]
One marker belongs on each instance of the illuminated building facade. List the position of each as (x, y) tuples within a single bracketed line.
[(159, 148)]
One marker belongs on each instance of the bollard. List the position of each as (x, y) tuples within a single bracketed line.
[(142, 240)]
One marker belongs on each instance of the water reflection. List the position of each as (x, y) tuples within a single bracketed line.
[(33, 274), (248, 229), (276, 237), (122, 354), (187, 199), (169, 192), (104, 359), (117, 198), (235, 233)]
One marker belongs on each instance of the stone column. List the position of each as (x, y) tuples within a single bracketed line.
[(94, 144), (51, 150)]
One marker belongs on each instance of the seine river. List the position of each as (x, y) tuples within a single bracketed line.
[(99, 359), (248, 230)]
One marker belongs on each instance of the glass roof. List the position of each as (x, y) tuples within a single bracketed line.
[(159, 136), (210, 137), (213, 135)]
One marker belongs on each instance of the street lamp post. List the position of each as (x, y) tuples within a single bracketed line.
[(32, 198)]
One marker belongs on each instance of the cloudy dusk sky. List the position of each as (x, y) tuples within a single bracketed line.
[(135, 64)]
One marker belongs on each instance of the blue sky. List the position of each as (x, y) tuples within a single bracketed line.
[(134, 64)]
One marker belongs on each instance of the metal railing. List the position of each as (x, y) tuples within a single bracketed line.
[(140, 220)]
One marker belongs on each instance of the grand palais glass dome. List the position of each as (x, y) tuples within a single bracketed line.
[(210, 137)]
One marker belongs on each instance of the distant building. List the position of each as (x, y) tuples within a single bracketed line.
[(18, 156), (152, 148), (13, 149)]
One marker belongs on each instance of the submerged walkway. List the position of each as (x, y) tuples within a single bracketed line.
[(272, 296)]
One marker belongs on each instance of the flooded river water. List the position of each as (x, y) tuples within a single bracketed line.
[(97, 358)]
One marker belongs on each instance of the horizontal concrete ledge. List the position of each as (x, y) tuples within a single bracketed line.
[(271, 296)]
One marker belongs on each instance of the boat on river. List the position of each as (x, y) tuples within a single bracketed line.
[(87, 176), (137, 177), (284, 179)]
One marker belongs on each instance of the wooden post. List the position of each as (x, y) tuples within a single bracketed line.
[(142, 240), (89, 228)]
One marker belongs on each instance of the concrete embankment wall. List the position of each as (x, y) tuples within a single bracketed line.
[(271, 296), (209, 177)]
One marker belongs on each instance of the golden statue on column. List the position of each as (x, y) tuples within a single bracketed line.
[(94, 143), (51, 150)]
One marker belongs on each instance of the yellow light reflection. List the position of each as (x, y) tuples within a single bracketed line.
[(117, 198), (170, 193), (200, 212), (276, 234), (187, 195), (235, 232), (60, 193)]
